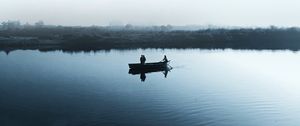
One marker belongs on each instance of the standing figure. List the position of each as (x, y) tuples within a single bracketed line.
[(143, 59)]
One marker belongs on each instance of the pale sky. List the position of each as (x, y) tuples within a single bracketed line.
[(154, 12)]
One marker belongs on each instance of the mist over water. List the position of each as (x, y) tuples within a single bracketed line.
[(155, 12), (205, 87)]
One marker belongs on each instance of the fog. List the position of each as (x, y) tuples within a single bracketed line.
[(154, 12)]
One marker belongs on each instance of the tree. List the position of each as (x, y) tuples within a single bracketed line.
[(39, 24), (128, 27)]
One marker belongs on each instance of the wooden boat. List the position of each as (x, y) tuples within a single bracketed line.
[(147, 66)]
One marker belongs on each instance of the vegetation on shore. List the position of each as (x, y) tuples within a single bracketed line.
[(127, 37)]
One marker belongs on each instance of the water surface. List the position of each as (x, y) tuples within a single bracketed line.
[(205, 87)]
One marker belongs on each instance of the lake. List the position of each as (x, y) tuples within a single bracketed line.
[(205, 87)]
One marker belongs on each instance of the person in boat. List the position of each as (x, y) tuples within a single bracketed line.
[(165, 59), (143, 59)]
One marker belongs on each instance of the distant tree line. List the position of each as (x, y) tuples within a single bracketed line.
[(39, 35)]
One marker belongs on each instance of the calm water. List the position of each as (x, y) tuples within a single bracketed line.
[(205, 87)]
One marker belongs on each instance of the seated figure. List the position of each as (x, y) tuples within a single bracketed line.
[(165, 59)]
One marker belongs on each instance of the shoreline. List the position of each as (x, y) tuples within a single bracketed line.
[(89, 39)]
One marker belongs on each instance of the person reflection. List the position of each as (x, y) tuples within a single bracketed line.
[(166, 72), (143, 77), (7, 51), (143, 74)]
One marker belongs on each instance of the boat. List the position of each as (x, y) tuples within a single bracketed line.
[(149, 66), (142, 69)]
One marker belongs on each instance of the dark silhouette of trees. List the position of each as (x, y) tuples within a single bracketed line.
[(129, 36)]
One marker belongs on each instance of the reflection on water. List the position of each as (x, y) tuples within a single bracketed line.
[(143, 72), (206, 87)]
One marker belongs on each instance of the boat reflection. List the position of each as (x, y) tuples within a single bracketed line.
[(143, 72)]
